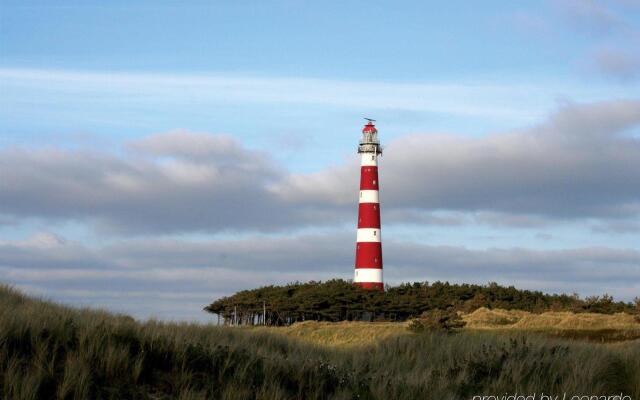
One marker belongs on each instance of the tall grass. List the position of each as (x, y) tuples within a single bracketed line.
[(50, 351)]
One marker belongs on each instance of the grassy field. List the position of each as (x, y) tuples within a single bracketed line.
[(50, 351), (338, 334), (585, 326)]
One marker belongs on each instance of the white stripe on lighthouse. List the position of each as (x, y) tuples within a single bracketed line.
[(369, 160), (368, 235), (368, 275), (369, 196)]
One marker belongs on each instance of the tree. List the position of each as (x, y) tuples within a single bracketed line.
[(340, 300)]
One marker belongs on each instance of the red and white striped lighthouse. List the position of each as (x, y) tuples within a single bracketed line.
[(368, 273)]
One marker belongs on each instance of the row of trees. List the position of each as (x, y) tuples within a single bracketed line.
[(340, 300)]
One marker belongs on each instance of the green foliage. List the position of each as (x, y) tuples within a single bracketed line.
[(339, 300), (53, 352), (437, 320)]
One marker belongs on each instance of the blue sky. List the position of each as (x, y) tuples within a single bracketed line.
[(351, 40), (201, 130)]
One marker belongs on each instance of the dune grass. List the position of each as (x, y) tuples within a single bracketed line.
[(517, 319), (53, 352), (587, 326), (339, 334), (584, 326)]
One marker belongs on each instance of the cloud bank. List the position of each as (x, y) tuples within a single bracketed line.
[(581, 163), (185, 275)]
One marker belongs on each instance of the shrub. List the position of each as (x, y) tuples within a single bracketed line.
[(339, 300), (437, 320)]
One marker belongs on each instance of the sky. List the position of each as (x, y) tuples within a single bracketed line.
[(157, 155)]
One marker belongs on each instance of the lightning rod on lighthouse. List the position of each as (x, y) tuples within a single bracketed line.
[(368, 269)]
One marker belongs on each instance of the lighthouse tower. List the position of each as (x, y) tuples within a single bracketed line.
[(368, 273)]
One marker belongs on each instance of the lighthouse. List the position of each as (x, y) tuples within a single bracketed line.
[(368, 271)]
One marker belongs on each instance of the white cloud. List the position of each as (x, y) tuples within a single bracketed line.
[(618, 63), (578, 164), (138, 275), (592, 15), (469, 99)]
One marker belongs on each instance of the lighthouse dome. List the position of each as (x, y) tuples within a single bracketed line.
[(369, 128)]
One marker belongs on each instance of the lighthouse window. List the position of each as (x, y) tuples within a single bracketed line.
[(371, 158), (374, 181), (375, 233)]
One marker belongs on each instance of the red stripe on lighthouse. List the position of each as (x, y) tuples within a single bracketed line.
[(369, 178), (371, 285), (369, 255), (369, 215)]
